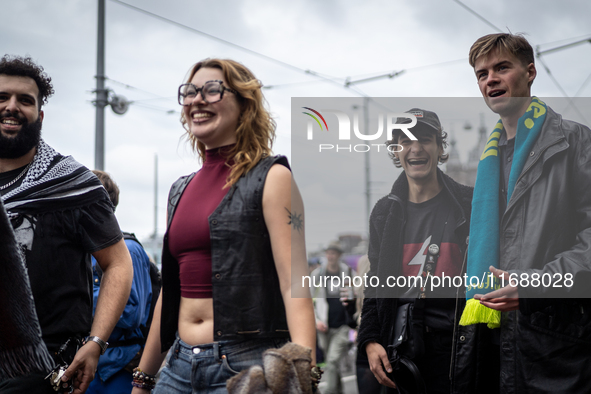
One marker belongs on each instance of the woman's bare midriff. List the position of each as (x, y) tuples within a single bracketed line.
[(196, 320)]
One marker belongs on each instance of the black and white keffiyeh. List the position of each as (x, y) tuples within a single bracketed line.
[(22, 351), (52, 181)]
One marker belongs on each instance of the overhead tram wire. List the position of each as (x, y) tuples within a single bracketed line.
[(552, 77), (587, 36), (322, 77), (391, 75), (202, 33), (570, 101), (332, 80), (140, 102), (167, 111), (583, 85), (538, 55), (478, 15), (282, 85), (155, 98), (310, 72), (371, 75), (134, 88)]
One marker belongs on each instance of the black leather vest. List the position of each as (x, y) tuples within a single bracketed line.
[(247, 301)]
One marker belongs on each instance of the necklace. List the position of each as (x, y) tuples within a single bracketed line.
[(19, 176)]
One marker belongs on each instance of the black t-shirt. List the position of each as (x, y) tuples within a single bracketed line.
[(9, 176), (56, 245), (422, 219), (337, 314)]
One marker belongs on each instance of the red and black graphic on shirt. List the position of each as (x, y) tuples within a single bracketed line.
[(420, 225), (448, 263)]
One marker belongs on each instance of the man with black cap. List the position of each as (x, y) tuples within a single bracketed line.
[(332, 315), (419, 230)]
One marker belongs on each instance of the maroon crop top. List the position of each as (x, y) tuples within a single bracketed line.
[(188, 237)]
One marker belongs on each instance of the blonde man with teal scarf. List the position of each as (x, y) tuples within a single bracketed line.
[(531, 220)]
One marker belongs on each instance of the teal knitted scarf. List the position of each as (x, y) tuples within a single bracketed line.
[(483, 250)]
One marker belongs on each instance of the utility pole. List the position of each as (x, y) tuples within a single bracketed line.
[(367, 165), (102, 98), (155, 196), (366, 160), (366, 99)]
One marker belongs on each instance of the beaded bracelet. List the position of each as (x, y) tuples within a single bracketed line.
[(143, 380), (315, 376)]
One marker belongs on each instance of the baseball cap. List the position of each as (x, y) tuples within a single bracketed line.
[(424, 117)]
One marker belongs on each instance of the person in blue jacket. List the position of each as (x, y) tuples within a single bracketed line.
[(114, 372)]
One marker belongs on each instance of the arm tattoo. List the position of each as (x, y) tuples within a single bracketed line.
[(296, 220)]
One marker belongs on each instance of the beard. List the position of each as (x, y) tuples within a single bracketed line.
[(27, 138)]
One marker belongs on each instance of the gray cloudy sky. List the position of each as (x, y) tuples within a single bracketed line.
[(429, 39)]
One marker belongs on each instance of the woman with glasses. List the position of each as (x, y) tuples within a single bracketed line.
[(234, 238)]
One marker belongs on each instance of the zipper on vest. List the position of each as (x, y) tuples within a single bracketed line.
[(249, 332)]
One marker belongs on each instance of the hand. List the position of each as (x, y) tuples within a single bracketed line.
[(346, 295), (504, 299), (378, 361), (321, 327), (83, 367)]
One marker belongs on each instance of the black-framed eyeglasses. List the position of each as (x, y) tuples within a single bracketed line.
[(211, 92)]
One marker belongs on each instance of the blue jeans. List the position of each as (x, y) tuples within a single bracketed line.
[(206, 368)]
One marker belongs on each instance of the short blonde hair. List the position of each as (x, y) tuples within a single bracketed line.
[(256, 127), (514, 44)]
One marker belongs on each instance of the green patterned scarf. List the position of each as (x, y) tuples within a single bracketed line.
[(483, 250)]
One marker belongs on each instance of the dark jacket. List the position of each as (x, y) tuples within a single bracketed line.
[(387, 223), (247, 301), (386, 240), (546, 229)]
